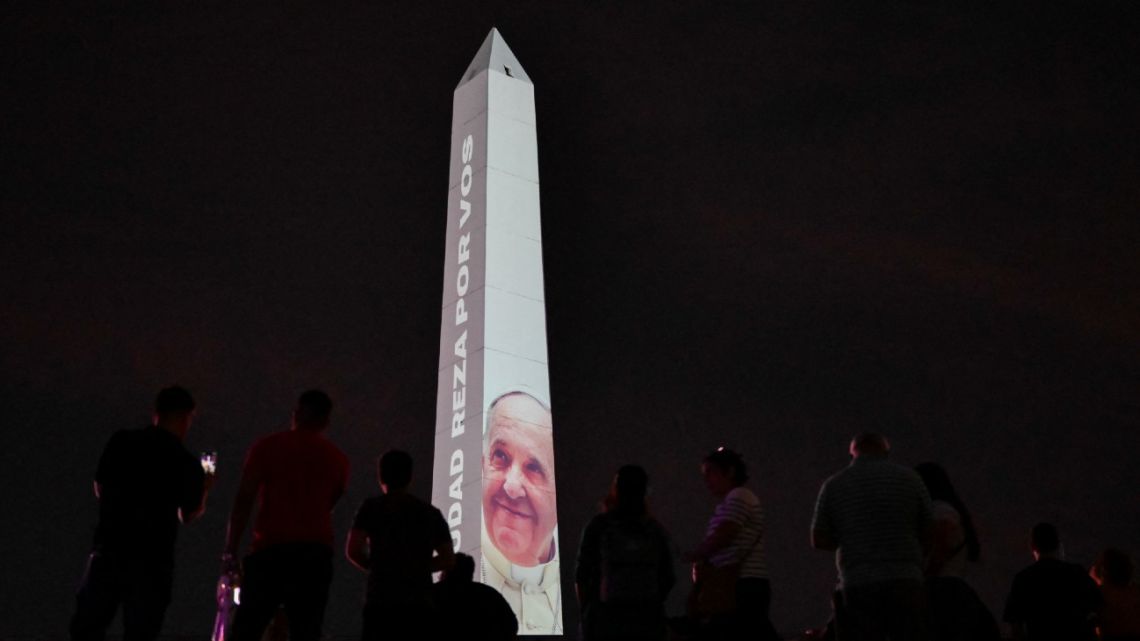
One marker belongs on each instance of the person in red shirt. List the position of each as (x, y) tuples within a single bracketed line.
[(296, 478)]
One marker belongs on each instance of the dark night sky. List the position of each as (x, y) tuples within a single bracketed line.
[(766, 225)]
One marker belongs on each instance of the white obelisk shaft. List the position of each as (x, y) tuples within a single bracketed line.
[(493, 329)]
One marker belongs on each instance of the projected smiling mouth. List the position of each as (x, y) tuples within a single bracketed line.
[(518, 509)]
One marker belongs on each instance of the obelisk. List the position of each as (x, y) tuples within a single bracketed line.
[(493, 475)]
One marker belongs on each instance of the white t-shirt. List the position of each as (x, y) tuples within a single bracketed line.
[(741, 506)]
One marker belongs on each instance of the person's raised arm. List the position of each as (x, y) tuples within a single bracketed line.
[(444, 558), (356, 549), (196, 485), (195, 508)]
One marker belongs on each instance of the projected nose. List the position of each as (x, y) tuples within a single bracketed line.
[(513, 486)]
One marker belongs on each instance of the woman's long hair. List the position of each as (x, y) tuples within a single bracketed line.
[(938, 484)]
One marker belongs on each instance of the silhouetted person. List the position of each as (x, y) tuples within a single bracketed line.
[(146, 483), (1119, 616), (876, 516), (1051, 600), (625, 565), (956, 612), (393, 538), (296, 478), (472, 610), (954, 540), (735, 542)]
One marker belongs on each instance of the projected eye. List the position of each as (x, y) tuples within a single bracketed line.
[(499, 458), (534, 467)]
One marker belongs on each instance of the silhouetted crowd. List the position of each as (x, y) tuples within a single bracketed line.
[(902, 538)]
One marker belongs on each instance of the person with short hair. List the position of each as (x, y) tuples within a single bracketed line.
[(876, 516), (625, 565), (399, 540), (1051, 600), (296, 478), (466, 605), (146, 483)]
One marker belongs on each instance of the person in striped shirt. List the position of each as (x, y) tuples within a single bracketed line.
[(735, 536), (876, 516)]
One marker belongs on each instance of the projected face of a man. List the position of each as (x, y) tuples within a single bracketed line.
[(518, 480)]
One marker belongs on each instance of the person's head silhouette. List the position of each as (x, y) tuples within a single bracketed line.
[(395, 471), (312, 411)]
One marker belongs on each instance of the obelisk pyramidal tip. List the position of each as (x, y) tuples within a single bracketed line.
[(496, 56)]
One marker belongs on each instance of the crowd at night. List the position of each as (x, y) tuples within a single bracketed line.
[(902, 538), (766, 226)]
